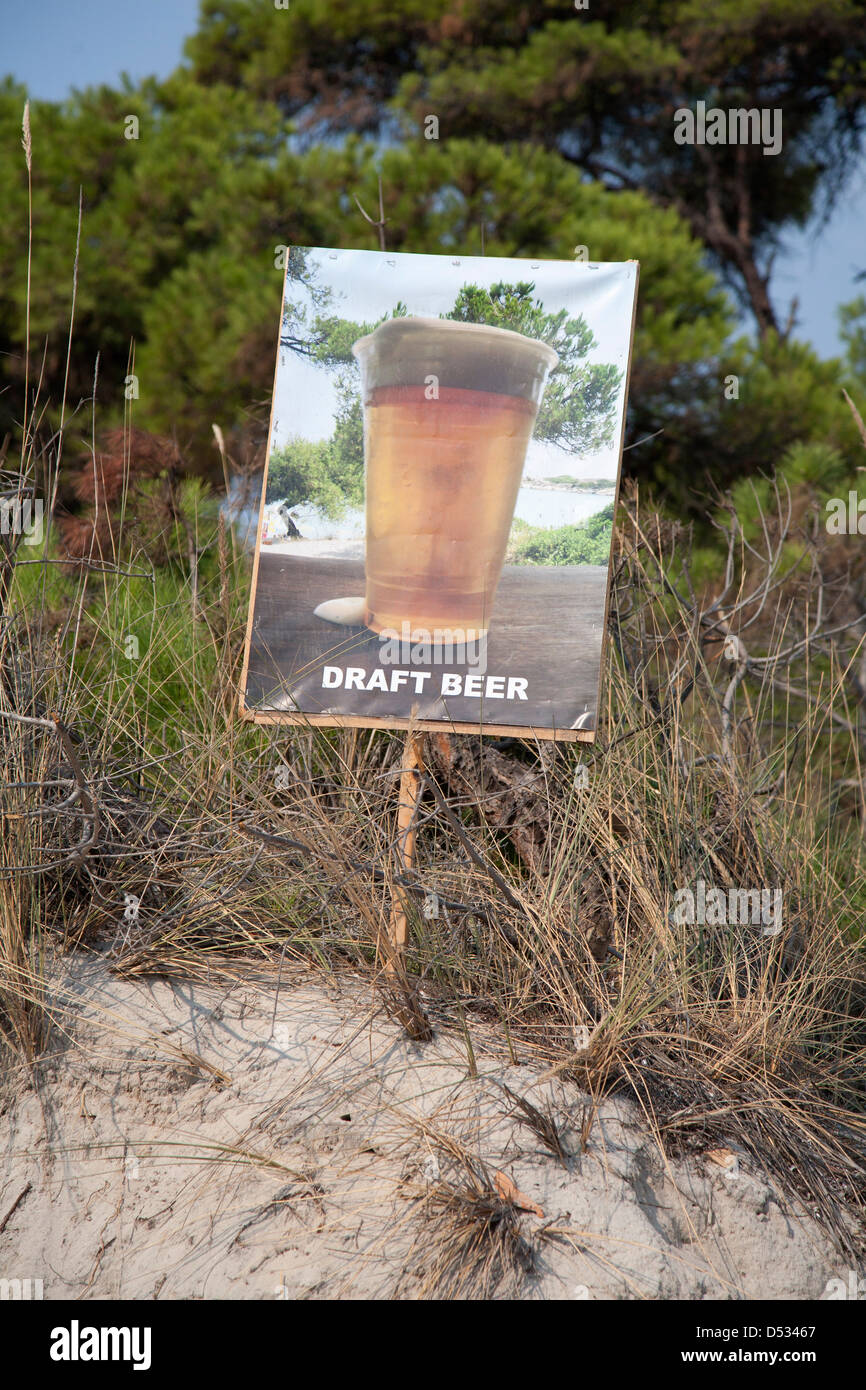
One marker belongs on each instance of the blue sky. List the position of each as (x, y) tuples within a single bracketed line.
[(52, 45)]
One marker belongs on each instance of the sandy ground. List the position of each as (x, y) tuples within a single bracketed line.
[(199, 1142)]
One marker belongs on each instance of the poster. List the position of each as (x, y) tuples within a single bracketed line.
[(434, 535)]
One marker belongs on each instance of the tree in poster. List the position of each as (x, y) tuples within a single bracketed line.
[(577, 412)]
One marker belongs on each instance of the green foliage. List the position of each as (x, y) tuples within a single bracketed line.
[(577, 410), (852, 321), (815, 464), (597, 90), (584, 543), (302, 471), (555, 131), (347, 446), (786, 396), (181, 230), (163, 255)]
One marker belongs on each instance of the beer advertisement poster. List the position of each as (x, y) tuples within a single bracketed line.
[(434, 533)]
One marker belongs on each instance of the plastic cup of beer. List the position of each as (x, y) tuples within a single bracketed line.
[(449, 410)]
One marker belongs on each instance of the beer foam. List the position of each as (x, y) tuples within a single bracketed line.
[(471, 356)]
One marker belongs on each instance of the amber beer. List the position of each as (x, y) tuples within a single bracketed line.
[(449, 409)]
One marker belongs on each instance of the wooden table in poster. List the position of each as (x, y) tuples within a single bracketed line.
[(546, 626)]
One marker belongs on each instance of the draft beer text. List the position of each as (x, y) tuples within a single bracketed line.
[(473, 686)]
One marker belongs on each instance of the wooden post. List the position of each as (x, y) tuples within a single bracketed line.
[(411, 769)]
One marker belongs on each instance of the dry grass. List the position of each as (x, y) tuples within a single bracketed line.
[(248, 848), (141, 819), (543, 1124), (469, 1241)]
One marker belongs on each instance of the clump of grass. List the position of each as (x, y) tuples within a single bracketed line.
[(470, 1242), (542, 1123)]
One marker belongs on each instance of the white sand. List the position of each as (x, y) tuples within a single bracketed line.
[(150, 1173)]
